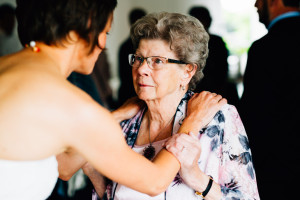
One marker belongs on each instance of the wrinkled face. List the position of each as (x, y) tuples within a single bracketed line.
[(263, 11), (152, 84)]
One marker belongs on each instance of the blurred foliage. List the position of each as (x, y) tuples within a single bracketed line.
[(237, 36)]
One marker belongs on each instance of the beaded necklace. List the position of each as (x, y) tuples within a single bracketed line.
[(165, 193), (186, 97), (149, 151)]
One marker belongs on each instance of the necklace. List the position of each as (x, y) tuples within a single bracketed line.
[(149, 151)]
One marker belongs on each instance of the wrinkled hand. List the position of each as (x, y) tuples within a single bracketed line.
[(204, 106), (129, 109), (187, 149)]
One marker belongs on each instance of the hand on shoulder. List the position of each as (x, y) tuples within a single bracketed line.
[(201, 109)]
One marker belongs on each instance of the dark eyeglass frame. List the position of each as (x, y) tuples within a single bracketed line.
[(169, 60)]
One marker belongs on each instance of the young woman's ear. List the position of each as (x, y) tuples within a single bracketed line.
[(72, 37), (102, 40)]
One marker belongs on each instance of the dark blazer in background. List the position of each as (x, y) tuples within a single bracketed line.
[(126, 89), (216, 71), (269, 108)]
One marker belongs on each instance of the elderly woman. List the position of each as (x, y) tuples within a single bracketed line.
[(216, 163)]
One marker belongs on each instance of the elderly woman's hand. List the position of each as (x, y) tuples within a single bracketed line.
[(202, 107), (129, 109), (187, 149)]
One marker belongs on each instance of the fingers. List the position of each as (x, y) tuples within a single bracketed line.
[(202, 107), (193, 135), (214, 96), (176, 152), (173, 147), (181, 141), (186, 148), (223, 101)]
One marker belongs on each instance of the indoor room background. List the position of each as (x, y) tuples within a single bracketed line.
[(235, 20)]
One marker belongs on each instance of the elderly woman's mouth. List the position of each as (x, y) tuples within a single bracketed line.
[(144, 85)]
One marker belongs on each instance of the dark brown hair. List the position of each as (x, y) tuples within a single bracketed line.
[(51, 21)]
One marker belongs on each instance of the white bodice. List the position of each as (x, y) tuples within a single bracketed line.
[(27, 180)]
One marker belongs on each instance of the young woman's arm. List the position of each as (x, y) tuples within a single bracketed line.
[(105, 148), (69, 162)]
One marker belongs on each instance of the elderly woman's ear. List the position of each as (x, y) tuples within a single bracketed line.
[(188, 72)]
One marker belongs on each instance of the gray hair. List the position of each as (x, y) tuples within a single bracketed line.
[(185, 35)]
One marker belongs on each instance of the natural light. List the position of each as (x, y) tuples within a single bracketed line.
[(242, 28)]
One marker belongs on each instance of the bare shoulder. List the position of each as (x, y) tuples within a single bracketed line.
[(45, 112), (72, 106), (85, 120)]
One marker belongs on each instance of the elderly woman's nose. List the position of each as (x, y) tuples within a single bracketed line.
[(144, 68)]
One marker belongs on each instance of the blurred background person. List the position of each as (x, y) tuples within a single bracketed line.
[(216, 68), (9, 41), (269, 106), (126, 89), (101, 75)]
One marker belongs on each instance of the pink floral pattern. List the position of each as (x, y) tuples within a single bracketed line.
[(226, 155)]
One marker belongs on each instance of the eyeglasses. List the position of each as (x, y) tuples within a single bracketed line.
[(154, 62)]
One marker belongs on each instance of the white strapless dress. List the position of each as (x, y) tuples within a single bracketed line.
[(27, 180)]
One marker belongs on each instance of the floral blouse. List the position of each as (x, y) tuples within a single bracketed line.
[(225, 156)]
